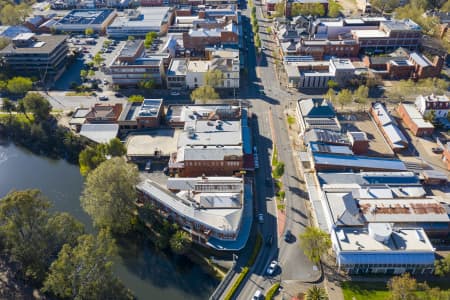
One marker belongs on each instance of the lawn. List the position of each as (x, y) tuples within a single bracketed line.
[(376, 290)]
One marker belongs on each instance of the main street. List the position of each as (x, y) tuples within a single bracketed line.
[(293, 263)]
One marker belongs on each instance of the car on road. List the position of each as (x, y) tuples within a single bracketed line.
[(118, 95), (148, 166), (103, 98), (272, 267), (437, 150), (289, 237), (105, 82), (263, 48), (268, 181), (257, 295), (175, 93), (260, 218)]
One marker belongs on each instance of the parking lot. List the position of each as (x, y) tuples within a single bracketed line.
[(362, 122)]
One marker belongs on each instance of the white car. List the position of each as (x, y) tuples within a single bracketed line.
[(260, 218), (103, 98), (175, 93), (257, 295), (272, 267)]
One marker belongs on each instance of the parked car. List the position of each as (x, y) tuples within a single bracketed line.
[(118, 95), (269, 240), (175, 93), (289, 237), (437, 150), (148, 166), (272, 267), (260, 218), (103, 98), (268, 181)]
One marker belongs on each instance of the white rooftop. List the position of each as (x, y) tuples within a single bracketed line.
[(99, 133), (373, 33), (147, 17)]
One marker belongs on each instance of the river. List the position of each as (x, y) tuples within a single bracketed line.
[(150, 274)]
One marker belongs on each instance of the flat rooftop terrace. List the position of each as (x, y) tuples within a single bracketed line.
[(86, 16), (145, 144)]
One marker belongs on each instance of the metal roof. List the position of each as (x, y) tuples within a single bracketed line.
[(358, 162), (100, 133)]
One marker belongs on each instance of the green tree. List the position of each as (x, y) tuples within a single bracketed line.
[(442, 266), (97, 59), (330, 95), (334, 9), (146, 84), (315, 243), (204, 93), (385, 5), (430, 116), (279, 9), (136, 98), (107, 43), (361, 95), (8, 106), (85, 271), (269, 30), (33, 235), (89, 31), (14, 14), (402, 287), (116, 148), (19, 85), (344, 97), (89, 159), (316, 293), (131, 38), (38, 106), (180, 242), (4, 42), (20, 107), (332, 84), (83, 74), (279, 170), (109, 195), (214, 78), (446, 6), (314, 9)]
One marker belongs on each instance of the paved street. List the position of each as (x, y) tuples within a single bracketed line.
[(293, 264)]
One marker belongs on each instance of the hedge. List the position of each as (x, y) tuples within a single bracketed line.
[(272, 291), (256, 249), (237, 283)]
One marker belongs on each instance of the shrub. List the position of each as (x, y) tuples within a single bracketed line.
[(272, 291)]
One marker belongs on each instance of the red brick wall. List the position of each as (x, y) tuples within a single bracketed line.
[(399, 72), (210, 168)]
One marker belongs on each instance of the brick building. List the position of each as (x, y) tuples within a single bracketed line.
[(101, 113), (199, 39), (414, 121), (147, 114), (320, 48)]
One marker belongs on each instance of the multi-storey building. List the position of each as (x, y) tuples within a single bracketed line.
[(197, 40), (133, 66), (439, 105), (78, 20), (42, 56)]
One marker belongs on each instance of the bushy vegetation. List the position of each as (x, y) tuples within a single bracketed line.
[(272, 291), (236, 284)]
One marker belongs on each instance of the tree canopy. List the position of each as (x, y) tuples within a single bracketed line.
[(14, 14), (316, 293), (204, 93), (214, 78), (89, 31), (344, 97), (19, 85), (305, 9), (442, 266), (402, 287), (314, 242), (85, 271), (136, 98), (32, 234), (36, 104), (334, 9), (109, 195), (180, 242), (93, 156)]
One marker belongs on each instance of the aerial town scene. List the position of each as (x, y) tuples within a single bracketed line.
[(225, 149)]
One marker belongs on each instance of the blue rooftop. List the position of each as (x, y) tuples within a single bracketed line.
[(357, 162)]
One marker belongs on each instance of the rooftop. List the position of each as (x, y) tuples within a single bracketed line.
[(161, 141), (369, 178), (358, 162), (400, 239), (420, 59), (147, 17), (316, 108), (405, 24), (374, 33), (42, 44), (183, 113), (178, 67), (131, 47), (211, 133), (86, 16), (198, 66), (99, 133), (342, 64), (434, 98), (208, 153), (416, 116), (325, 136), (150, 108)]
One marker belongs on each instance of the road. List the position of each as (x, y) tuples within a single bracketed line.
[(293, 264)]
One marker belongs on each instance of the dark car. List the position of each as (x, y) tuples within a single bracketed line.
[(437, 150), (118, 95), (289, 237), (268, 181), (269, 240)]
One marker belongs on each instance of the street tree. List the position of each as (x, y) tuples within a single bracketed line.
[(402, 287), (89, 31), (19, 85), (334, 9), (147, 85), (85, 271), (344, 97), (92, 156), (316, 293), (115, 148), (279, 9), (109, 195), (180, 242), (385, 5), (442, 266), (203, 94), (8, 106), (332, 84), (330, 95), (36, 104), (214, 78), (97, 59), (83, 74), (315, 243), (136, 98)]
